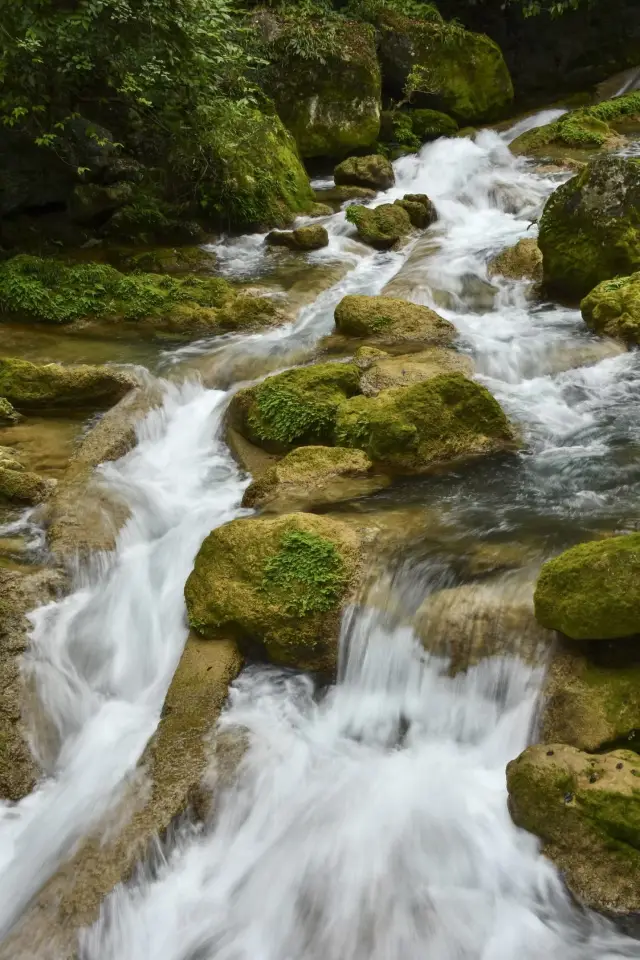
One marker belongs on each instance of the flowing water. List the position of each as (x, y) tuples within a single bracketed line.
[(368, 819)]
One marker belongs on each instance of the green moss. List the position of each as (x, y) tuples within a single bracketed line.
[(411, 128), (278, 583), (373, 172), (431, 124), (592, 591), (613, 308), (51, 387), (586, 128), (7, 413), (381, 227), (20, 486), (590, 227), (520, 262), (413, 429), (311, 237), (149, 219), (174, 260), (391, 320), (421, 210), (296, 407)]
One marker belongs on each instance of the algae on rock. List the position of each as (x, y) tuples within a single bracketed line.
[(8, 414), (420, 208), (373, 172), (51, 387), (276, 585), (381, 227), (523, 261), (585, 128), (389, 320), (613, 308), (312, 237)]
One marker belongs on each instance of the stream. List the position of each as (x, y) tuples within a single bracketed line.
[(369, 819)]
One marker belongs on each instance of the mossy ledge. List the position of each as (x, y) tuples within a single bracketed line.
[(587, 128)]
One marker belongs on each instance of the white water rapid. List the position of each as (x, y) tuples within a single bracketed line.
[(369, 820)]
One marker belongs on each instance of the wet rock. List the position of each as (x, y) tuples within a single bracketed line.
[(381, 227), (589, 827), (587, 128), (342, 194), (613, 308), (412, 430), (588, 230), (19, 594), (389, 320), (93, 203), (590, 592), (297, 407), (21, 486), (520, 262), (8, 414), (374, 172), (312, 476), (303, 238), (386, 371), (421, 210), (278, 585), (320, 210), (51, 387)]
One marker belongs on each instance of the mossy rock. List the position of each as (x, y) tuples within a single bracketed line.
[(388, 320), (592, 591), (294, 408), (587, 128), (320, 210), (50, 387), (331, 105), (381, 227), (441, 66), (20, 486), (313, 476), (613, 308), (172, 260), (431, 124), (343, 194), (312, 237), (586, 810), (277, 586), (403, 371), (420, 208), (93, 203), (412, 430), (374, 172), (520, 262), (149, 219), (589, 229), (8, 415)]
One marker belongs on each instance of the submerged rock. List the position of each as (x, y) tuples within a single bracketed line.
[(592, 591), (520, 262), (312, 237), (277, 585), (393, 371), (296, 407), (412, 430), (389, 320), (421, 210), (310, 476), (381, 227), (50, 387), (587, 128), (589, 230), (586, 810), (613, 308), (374, 172)]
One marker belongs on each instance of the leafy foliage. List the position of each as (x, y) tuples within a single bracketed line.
[(310, 572)]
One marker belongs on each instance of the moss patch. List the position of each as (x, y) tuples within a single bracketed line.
[(613, 308), (51, 387), (306, 575), (586, 128), (374, 172), (381, 227)]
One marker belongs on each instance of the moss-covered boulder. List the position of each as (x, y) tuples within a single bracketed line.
[(294, 408), (277, 586), (312, 237), (586, 810), (312, 476), (520, 262), (403, 371), (18, 485), (331, 102), (373, 172), (8, 414), (50, 291), (411, 128), (381, 227), (420, 208), (412, 430), (613, 308), (430, 124), (388, 320), (592, 591), (443, 67), (588, 128), (589, 229), (50, 387), (93, 203)]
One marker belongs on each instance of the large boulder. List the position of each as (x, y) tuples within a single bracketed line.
[(277, 586), (331, 104), (389, 320), (386, 371), (50, 291), (50, 387), (374, 172), (444, 67), (412, 430), (297, 407), (586, 810), (592, 591), (381, 227), (523, 261), (586, 128), (613, 308), (589, 230), (312, 476)]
